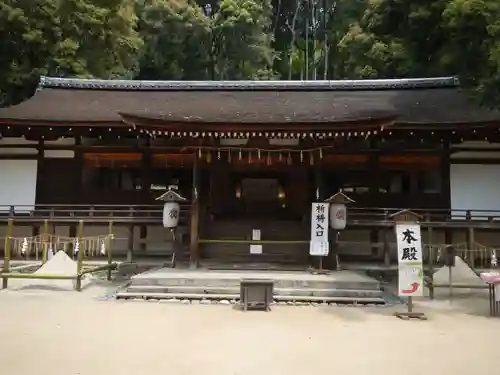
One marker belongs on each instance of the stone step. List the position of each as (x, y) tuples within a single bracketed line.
[(236, 297), (232, 282), (310, 292)]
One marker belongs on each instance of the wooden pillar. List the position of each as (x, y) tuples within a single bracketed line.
[(72, 230), (470, 240), (40, 183), (374, 241), (7, 250), (387, 249), (445, 175), (77, 172), (146, 179), (194, 246), (445, 187), (130, 243), (46, 235), (430, 240), (373, 171), (143, 235), (81, 249), (35, 230)]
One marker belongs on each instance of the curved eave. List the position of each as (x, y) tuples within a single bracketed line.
[(152, 123), (59, 123), (447, 125)]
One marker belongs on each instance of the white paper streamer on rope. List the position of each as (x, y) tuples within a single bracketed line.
[(77, 247), (50, 252), (24, 247), (103, 248)]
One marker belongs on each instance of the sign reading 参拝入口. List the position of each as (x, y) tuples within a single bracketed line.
[(410, 265), (319, 229)]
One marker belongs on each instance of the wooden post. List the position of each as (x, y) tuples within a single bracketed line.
[(78, 170), (194, 245), (470, 245), (429, 242), (6, 260), (374, 242), (130, 247), (108, 247), (408, 217), (145, 190), (143, 234), (131, 233), (45, 248), (81, 254), (387, 249)]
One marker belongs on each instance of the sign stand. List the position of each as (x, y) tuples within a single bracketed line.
[(319, 232), (410, 265)]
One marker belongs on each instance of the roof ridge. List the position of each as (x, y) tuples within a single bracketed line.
[(323, 85)]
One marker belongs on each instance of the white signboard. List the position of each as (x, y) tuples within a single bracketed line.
[(318, 248), (410, 266), (255, 249), (319, 229)]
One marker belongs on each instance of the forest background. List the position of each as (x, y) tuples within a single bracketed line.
[(249, 39)]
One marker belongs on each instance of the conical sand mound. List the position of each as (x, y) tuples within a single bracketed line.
[(59, 265), (460, 274)]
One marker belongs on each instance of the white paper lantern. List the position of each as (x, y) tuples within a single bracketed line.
[(338, 216), (171, 212)]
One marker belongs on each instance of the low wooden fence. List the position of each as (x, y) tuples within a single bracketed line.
[(42, 246)]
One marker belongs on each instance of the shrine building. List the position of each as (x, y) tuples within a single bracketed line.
[(250, 155)]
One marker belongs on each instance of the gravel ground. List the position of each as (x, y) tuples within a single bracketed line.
[(65, 333)]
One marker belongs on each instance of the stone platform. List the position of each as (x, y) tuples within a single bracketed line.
[(303, 286)]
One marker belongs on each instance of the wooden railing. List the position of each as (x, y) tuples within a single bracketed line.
[(357, 217), (90, 213), (428, 217)]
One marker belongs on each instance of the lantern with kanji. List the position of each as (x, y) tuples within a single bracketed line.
[(171, 208), (338, 210)]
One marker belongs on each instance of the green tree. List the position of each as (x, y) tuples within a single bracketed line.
[(177, 40), (242, 40), (81, 38), (230, 39), (474, 47), (422, 38), (307, 34)]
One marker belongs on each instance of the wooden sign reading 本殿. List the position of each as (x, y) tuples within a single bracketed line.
[(410, 264)]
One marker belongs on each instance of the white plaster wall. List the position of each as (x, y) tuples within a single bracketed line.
[(475, 187), (18, 184)]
